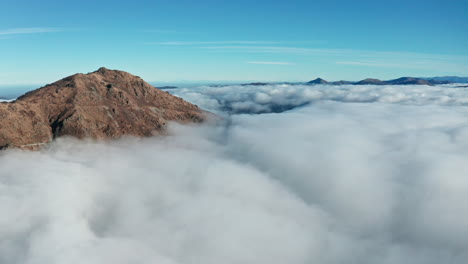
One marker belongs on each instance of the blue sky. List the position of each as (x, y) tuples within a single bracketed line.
[(172, 41)]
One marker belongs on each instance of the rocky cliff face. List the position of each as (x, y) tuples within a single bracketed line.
[(104, 104)]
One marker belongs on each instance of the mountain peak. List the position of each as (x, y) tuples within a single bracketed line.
[(102, 70), (318, 81), (101, 104), (371, 81)]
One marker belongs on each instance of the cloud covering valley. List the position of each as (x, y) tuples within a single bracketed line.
[(293, 174)]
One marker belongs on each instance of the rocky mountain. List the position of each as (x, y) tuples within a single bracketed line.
[(370, 81), (318, 81), (105, 104)]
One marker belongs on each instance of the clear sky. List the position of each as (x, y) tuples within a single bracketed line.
[(42, 41)]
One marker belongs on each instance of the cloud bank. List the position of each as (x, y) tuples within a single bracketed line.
[(341, 179), (278, 98)]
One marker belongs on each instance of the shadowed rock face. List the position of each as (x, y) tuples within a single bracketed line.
[(370, 81), (318, 81), (104, 104), (409, 80)]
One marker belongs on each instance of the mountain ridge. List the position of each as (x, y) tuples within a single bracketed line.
[(453, 79), (371, 81), (104, 104)]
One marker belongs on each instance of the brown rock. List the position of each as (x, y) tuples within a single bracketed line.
[(105, 104)]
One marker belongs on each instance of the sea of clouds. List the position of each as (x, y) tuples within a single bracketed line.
[(237, 99), (349, 174)]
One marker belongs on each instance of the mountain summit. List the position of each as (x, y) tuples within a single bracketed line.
[(318, 81), (104, 104)]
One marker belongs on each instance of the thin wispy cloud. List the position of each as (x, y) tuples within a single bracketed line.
[(408, 64), (33, 30), (275, 49), (371, 64), (326, 51), (160, 31), (270, 62), (369, 58), (209, 42)]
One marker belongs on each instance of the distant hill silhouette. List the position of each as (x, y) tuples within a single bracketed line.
[(318, 81), (453, 79), (370, 81), (255, 84)]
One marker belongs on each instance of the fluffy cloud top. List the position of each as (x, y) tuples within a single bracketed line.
[(379, 180), (278, 98)]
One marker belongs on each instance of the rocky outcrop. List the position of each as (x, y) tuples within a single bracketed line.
[(105, 104)]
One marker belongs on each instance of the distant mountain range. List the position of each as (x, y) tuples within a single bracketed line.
[(399, 81), (452, 79)]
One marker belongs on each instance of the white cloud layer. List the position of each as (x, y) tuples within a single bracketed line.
[(379, 180), (280, 97)]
